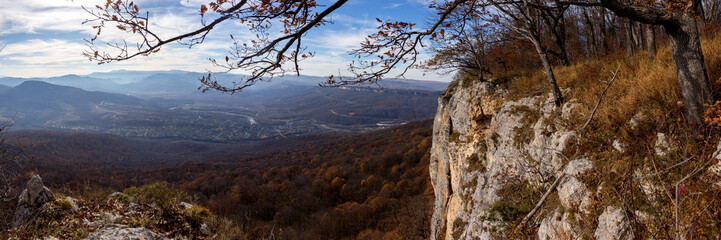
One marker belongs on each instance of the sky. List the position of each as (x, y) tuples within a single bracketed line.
[(44, 38)]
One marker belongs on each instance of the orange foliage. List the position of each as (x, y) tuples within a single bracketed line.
[(713, 114)]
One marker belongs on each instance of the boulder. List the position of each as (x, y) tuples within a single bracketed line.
[(613, 225), (557, 227), (31, 201), (572, 192)]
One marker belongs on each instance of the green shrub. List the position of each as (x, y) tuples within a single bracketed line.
[(64, 204), (223, 228), (458, 226), (160, 194), (123, 198), (454, 137), (196, 215)]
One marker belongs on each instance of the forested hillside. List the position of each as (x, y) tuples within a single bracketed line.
[(332, 185)]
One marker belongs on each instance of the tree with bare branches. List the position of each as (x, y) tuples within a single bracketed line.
[(265, 56), (399, 44), (680, 20)]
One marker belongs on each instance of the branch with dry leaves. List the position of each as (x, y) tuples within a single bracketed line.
[(395, 44), (263, 57)]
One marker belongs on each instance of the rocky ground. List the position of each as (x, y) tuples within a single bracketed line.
[(145, 213)]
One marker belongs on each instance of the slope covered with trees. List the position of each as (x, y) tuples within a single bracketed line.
[(332, 185)]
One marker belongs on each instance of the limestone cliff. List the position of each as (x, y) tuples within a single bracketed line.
[(485, 147)]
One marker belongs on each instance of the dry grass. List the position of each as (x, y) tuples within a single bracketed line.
[(642, 85), (649, 87)]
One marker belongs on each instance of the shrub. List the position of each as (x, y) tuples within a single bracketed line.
[(454, 137), (713, 114), (196, 215), (223, 228), (160, 194), (64, 204)]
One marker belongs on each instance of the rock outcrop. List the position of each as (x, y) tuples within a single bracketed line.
[(112, 232), (613, 225), (119, 216), (485, 147), (32, 201)]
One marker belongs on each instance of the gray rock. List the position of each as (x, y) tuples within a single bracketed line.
[(118, 232), (32, 201), (115, 195), (572, 192), (619, 146), (662, 146), (462, 111), (204, 229), (613, 225), (557, 227), (185, 205), (109, 217), (578, 166), (636, 120)]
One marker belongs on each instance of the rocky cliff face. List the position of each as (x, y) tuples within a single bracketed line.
[(489, 155)]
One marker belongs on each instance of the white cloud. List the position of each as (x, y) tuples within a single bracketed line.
[(395, 5), (337, 41), (62, 54), (53, 57), (30, 16), (44, 52)]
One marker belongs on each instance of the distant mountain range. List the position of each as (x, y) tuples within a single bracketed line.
[(35, 104), (176, 81), (168, 105)]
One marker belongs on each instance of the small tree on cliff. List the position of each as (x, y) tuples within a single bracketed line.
[(396, 44)]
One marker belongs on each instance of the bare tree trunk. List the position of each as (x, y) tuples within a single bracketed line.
[(686, 50), (690, 68), (629, 37), (555, 91), (561, 44), (556, 25), (651, 41), (638, 40), (590, 35), (602, 32), (616, 30), (712, 11)]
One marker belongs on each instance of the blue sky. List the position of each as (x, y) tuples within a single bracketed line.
[(45, 37)]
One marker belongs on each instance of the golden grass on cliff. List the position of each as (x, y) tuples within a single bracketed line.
[(642, 85)]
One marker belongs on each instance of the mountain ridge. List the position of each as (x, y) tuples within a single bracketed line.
[(126, 81)]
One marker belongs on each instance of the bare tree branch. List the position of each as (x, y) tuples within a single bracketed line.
[(580, 131)]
